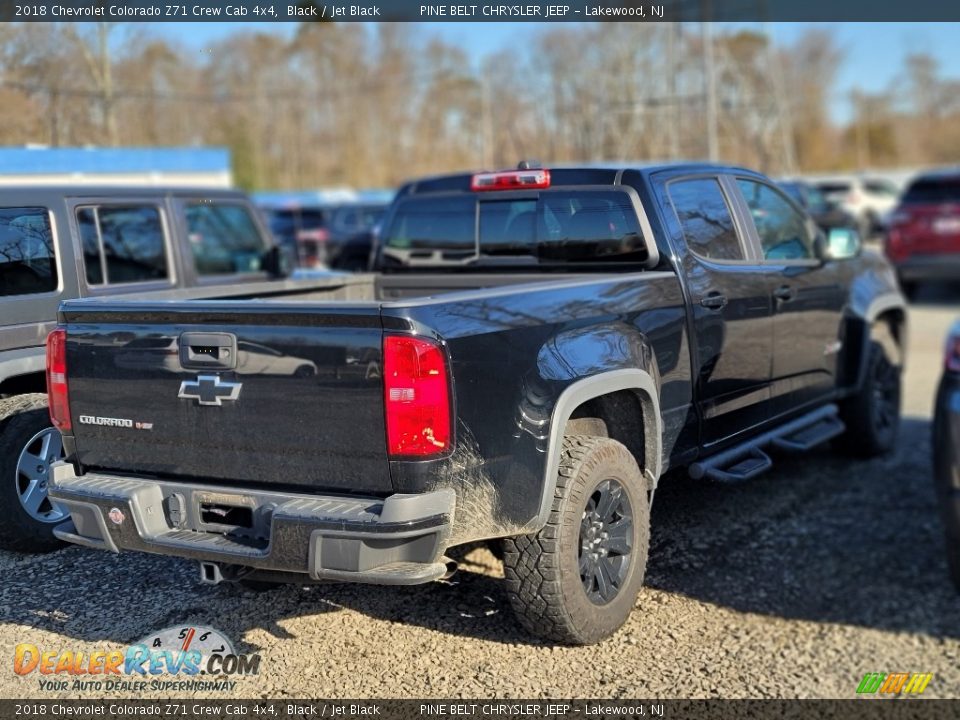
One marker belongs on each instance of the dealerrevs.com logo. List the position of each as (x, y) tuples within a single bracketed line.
[(182, 658)]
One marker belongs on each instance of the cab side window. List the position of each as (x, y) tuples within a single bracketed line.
[(705, 218), (224, 239), (27, 262), (122, 244), (783, 230)]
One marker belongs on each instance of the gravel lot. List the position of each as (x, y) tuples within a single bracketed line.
[(794, 585)]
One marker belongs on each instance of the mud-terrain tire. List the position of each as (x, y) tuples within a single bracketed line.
[(597, 536), (872, 416), (24, 420)]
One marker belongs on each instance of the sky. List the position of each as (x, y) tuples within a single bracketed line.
[(874, 52)]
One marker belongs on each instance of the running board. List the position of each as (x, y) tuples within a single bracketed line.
[(747, 460)]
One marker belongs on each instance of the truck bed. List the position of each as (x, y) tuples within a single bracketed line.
[(302, 405)]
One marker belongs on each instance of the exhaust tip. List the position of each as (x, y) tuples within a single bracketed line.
[(452, 566), (210, 573)]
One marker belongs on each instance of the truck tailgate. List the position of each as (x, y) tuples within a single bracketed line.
[(267, 394)]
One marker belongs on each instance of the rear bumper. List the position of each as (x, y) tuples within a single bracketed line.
[(395, 540), (930, 267)]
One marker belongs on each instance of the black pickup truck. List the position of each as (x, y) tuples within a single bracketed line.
[(539, 348)]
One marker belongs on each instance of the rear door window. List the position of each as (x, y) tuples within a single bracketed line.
[(705, 217), (122, 244), (224, 239), (28, 263)]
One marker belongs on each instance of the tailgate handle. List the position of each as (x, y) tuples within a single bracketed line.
[(206, 350)]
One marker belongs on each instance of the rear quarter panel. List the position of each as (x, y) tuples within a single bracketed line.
[(513, 352)]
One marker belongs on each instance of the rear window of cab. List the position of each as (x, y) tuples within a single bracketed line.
[(561, 226)]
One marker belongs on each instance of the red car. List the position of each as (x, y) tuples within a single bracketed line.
[(924, 238)]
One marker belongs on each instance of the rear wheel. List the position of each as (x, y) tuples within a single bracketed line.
[(872, 416), (576, 581), (28, 446)]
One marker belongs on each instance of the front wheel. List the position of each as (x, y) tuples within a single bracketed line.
[(29, 444), (576, 580), (872, 416)]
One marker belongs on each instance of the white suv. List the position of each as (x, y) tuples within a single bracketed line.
[(869, 199)]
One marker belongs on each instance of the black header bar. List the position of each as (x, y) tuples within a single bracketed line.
[(472, 11)]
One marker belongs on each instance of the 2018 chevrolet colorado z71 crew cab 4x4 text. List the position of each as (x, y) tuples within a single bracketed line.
[(539, 348)]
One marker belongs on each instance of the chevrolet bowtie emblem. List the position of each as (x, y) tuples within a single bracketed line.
[(209, 390)]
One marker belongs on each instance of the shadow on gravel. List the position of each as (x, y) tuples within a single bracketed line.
[(825, 539), (820, 538)]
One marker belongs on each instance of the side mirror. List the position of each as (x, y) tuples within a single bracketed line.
[(842, 244), (276, 262)]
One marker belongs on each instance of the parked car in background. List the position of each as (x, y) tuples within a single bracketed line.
[(826, 214), (332, 231), (946, 451), (868, 199), (923, 241), (541, 346), (62, 243)]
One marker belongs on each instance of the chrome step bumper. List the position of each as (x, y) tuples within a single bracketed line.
[(399, 539)]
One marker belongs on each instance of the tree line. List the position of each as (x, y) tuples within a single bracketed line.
[(370, 105)]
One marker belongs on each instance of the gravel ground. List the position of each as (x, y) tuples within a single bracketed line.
[(793, 585)]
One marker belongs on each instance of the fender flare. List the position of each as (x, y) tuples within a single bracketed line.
[(878, 306), (581, 391), (883, 303)]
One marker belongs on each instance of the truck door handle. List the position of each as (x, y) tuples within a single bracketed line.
[(714, 301), (785, 293)]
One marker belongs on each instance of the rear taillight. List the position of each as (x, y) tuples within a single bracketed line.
[(416, 397), (57, 380), (953, 352), (512, 180)]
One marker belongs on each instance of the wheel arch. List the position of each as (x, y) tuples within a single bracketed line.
[(637, 382), (884, 321)]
